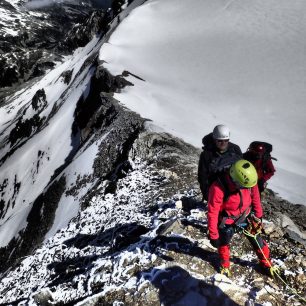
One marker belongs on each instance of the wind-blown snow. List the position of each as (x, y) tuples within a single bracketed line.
[(240, 63)]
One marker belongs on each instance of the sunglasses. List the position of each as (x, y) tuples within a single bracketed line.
[(222, 140)]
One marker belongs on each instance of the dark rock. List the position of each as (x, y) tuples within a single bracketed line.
[(67, 75), (25, 129), (111, 187), (44, 298), (94, 111), (172, 226), (110, 83), (273, 205), (39, 221), (82, 33), (39, 101), (41, 68)]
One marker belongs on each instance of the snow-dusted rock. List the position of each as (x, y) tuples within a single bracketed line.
[(108, 211)]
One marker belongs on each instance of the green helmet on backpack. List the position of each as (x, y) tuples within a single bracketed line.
[(244, 173)]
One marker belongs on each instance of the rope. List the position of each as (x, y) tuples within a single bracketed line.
[(247, 233)]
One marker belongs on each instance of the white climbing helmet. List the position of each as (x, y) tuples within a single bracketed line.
[(221, 132)]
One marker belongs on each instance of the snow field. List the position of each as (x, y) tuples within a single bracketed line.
[(240, 63)]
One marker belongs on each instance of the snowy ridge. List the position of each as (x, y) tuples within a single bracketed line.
[(125, 249), (103, 214), (99, 208), (51, 124), (233, 62)]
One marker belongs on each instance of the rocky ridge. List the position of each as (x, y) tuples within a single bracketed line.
[(98, 124), (140, 236), (145, 241)]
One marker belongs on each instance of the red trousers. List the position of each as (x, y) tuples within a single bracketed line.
[(260, 247)]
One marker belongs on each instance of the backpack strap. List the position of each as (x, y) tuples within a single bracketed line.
[(223, 183)]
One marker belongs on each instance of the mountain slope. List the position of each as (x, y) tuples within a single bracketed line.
[(101, 207), (48, 129), (33, 40), (202, 63), (143, 241)]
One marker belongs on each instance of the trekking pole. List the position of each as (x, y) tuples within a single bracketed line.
[(247, 233)]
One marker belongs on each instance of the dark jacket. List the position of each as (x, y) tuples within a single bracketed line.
[(209, 153)]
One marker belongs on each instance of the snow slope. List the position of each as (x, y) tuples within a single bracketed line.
[(240, 63), (29, 164), (26, 165)]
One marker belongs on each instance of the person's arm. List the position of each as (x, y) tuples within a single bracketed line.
[(215, 201), (203, 176), (269, 170), (256, 203)]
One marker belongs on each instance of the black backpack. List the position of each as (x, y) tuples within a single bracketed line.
[(223, 162), (220, 166)]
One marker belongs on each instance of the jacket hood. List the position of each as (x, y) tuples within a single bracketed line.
[(208, 141)]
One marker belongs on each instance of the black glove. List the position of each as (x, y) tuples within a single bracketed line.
[(255, 225), (215, 242), (205, 195)]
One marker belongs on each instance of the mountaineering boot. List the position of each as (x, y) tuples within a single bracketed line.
[(225, 271), (273, 272)]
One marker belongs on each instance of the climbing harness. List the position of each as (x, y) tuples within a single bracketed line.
[(238, 220), (274, 271)]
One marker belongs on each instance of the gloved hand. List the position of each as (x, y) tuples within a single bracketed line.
[(215, 242), (255, 225), (205, 196)]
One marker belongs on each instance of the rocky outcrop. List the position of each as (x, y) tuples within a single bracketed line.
[(25, 128), (97, 23), (146, 243), (55, 30), (275, 205), (97, 116), (98, 109), (39, 101)]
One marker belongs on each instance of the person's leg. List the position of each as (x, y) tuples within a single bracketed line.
[(262, 250), (224, 255), (226, 235)]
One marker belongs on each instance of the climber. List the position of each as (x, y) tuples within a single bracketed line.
[(215, 144), (258, 154), (233, 204)]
